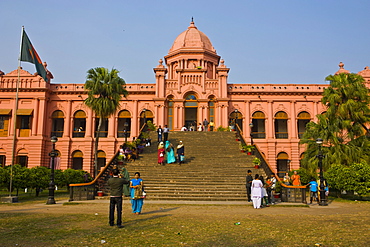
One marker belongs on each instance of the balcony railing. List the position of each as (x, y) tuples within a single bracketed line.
[(57, 133), (78, 134), (281, 135), (259, 135)]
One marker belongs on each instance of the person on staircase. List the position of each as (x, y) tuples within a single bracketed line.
[(161, 153), (166, 131), (180, 153), (200, 127), (160, 133), (170, 153), (205, 124), (136, 190), (211, 125)]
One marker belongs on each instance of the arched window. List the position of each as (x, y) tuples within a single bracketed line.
[(124, 124), (103, 128), (57, 124), (2, 157), (22, 158), (77, 160), (170, 110), (303, 119), (282, 163), (4, 121), (101, 159), (258, 129), (79, 124), (281, 125)]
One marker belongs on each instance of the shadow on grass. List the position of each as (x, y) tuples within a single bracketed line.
[(161, 210)]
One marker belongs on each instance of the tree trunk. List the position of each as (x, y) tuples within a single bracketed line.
[(96, 147)]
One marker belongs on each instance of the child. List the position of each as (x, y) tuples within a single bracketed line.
[(313, 190)]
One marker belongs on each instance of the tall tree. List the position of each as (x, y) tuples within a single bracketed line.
[(343, 127), (105, 89)]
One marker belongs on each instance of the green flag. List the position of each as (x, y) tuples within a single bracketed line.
[(29, 54)]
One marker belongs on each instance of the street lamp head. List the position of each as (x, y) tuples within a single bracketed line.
[(54, 139), (319, 141), (125, 124), (144, 110), (236, 110), (251, 125)]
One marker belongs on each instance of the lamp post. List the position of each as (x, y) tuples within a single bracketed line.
[(52, 154), (251, 134), (125, 130), (320, 156)]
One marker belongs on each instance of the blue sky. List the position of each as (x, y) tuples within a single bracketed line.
[(261, 41)]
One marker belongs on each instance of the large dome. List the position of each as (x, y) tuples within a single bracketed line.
[(192, 38)]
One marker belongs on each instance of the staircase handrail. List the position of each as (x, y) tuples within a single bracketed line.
[(239, 133), (100, 173)]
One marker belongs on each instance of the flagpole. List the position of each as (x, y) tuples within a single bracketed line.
[(15, 115)]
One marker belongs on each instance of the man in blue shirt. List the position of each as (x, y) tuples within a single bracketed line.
[(313, 190)]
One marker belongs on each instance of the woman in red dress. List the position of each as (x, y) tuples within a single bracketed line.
[(161, 152)]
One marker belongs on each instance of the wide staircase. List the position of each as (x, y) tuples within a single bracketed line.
[(214, 168)]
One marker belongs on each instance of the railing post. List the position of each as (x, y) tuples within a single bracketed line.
[(70, 193)]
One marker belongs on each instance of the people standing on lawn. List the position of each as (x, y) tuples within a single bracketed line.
[(313, 190), (248, 184), (205, 124), (256, 191), (166, 131), (136, 193), (264, 199), (161, 153), (296, 179), (211, 125), (160, 133), (180, 153), (170, 153), (273, 187), (116, 189)]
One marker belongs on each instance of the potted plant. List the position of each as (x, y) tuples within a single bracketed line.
[(256, 163), (249, 149), (277, 189), (243, 148)]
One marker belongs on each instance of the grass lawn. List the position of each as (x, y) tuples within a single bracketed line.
[(32, 223)]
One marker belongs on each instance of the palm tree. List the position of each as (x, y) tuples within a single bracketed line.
[(343, 126), (105, 89)]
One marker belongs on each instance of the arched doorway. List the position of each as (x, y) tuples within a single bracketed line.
[(303, 119), (124, 124), (170, 111), (79, 124), (57, 123), (236, 118), (282, 163), (145, 116), (281, 125), (77, 160), (258, 129), (191, 111)]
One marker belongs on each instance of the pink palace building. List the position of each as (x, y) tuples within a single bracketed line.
[(191, 84)]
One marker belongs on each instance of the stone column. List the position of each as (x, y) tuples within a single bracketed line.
[(270, 121), (68, 120), (293, 119)]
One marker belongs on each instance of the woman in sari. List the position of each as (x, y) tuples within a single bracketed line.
[(161, 153), (180, 153), (136, 191), (170, 153)]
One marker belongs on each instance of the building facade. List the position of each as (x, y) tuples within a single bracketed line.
[(191, 84)]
